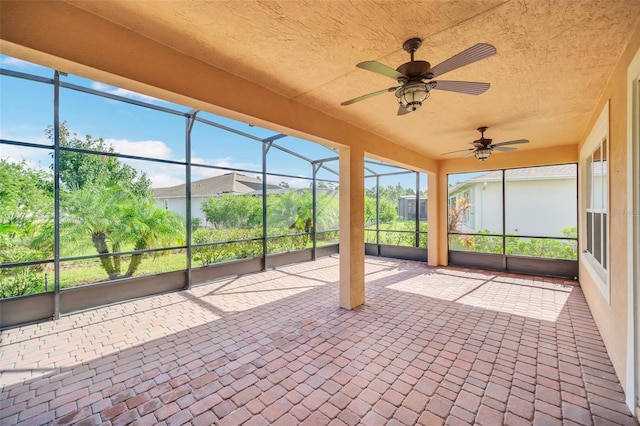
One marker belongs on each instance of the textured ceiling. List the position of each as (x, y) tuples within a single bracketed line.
[(553, 60)]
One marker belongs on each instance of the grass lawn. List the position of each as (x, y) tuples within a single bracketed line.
[(90, 271)]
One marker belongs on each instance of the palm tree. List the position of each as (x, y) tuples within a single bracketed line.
[(113, 218), (149, 226), (327, 207), (295, 209), (283, 209)]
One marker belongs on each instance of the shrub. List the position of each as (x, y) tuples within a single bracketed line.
[(232, 247), (20, 280)]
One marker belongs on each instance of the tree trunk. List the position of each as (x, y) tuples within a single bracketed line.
[(100, 243), (136, 260), (117, 267)]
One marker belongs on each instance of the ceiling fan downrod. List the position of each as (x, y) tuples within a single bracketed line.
[(412, 45)]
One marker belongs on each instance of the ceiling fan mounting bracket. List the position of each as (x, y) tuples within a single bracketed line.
[(482, 129), (410, 46)]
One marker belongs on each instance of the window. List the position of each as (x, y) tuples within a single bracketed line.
[(597, 204), (594, 205)]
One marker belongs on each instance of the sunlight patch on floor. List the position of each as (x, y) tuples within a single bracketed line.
[(524, 297)]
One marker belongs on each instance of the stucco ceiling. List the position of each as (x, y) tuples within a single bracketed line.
[(553, 60)]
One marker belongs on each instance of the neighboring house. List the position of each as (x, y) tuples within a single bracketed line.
[(174, 197), (539, 201), (407, 207)]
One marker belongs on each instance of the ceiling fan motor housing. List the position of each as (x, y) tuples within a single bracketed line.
[(413, 70), (482, 142)]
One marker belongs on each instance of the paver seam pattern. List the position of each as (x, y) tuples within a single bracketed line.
[(430, 346)]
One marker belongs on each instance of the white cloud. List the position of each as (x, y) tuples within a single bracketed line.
[(160, 174), (293, 182), (203, 172), (165, 175), (256, 170), (14, 62), (124, 93), (155, 149), (163, 180), (24, 134), (35, 158)]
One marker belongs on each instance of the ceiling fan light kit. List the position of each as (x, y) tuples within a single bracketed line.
[(412, 95), (415, 77), (482, 154)]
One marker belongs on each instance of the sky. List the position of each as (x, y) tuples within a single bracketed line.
[(26, 110)]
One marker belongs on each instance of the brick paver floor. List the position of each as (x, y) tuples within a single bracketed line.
[(431, 346)]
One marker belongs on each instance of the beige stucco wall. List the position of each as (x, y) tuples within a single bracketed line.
[(611, 318)]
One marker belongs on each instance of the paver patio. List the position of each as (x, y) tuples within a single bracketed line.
[(431, 346)]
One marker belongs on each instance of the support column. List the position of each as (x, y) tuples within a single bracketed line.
[(351, 228), (434, 214)]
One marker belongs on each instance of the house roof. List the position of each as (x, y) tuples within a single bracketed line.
[(230, 183), (411, 197), (560, 171)]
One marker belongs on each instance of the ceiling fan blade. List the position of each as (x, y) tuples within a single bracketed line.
[(402, 110), (516, 142), (504, 148), (466, 57), (471, 154), (468, 87), (370, 95), (459, 150), (379, 68)]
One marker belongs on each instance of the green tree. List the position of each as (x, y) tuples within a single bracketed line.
[(390, 193), (26, 219), (388, 211), (110, 203), (151, 227), (233, 211), (389, 196), (292, 209), (79, 169), (26, 200), (328, 211)]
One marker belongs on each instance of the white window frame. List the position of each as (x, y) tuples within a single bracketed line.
[(632, 390), (598, 272)]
